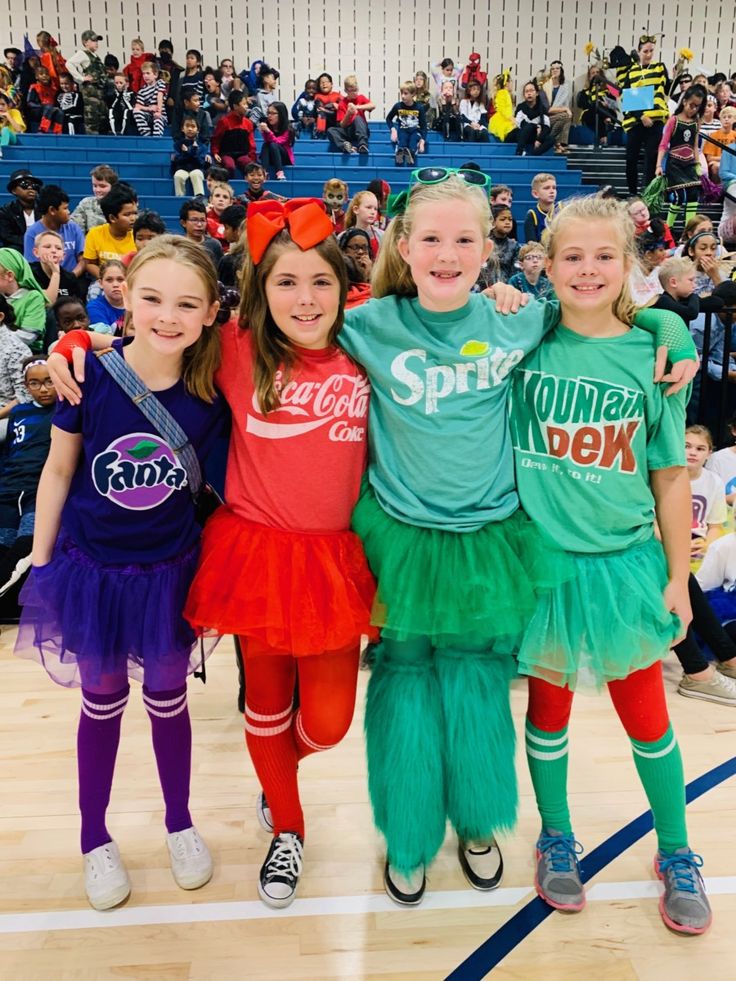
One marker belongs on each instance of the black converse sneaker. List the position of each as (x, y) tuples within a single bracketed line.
[(481, 863), (263, 813), (406, 890), (280, 872)]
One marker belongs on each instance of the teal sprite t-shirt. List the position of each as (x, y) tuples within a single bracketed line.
[(439, 446), (588, 424)]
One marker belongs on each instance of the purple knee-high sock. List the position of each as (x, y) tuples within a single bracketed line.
[(98, 737), (171, 732)]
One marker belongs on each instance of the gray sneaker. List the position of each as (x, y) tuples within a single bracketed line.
[(727, 669), (557, 878), (684, 906), (719, 688)]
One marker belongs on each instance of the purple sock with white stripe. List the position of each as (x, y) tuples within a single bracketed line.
[(98, 737), (171, 733)]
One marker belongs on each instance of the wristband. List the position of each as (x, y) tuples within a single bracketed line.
[(75, 338)]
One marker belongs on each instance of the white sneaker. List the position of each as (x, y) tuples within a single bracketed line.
[(191, 862), (481, 863), (106, 880), (263, 813), (280, 873), (406, 890), (718, 688)]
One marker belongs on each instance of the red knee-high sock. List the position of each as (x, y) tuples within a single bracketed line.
[(269, 695), (327, 684)]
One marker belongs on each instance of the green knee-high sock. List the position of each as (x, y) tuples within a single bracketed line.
[(482, 796), (691, 209), (546, 754), (403, 727), (672, 213), (659, 765)]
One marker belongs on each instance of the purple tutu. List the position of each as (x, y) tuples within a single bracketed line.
[(85, 620)]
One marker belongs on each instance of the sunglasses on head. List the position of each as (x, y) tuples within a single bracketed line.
[(648, 39), (435, 175)]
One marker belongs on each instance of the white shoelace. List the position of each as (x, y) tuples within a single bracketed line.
[(286, 857)]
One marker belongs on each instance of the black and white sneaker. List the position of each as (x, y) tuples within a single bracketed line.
[(280, 872), (406, 890), (481, 862), (263, 813)]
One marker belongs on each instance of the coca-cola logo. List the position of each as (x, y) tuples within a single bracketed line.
[(336, 400)]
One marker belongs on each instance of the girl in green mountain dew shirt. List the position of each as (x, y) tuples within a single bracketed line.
[(459, 566), (598, 450)]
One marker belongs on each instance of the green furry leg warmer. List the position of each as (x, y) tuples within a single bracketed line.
[(404, 732), (482, 795)]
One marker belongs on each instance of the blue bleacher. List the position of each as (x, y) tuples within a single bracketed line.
[(144, 162)]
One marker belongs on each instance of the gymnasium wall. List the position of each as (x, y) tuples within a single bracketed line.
[(384, 41)]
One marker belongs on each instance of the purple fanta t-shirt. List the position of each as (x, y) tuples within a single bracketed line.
[(129, 500)]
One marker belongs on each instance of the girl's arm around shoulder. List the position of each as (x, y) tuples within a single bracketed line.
[(674, 345), (53, 489), (72, 349), (671, 489)]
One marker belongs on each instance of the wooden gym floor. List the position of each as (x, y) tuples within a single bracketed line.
[(342, 926)]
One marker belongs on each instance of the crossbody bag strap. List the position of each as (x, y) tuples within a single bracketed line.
[(159, 417)]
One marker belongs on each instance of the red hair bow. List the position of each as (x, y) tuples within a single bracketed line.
[(305, 218)]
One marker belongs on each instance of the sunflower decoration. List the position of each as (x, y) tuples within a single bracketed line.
[(684, 55), (601, 60), (589, 49)]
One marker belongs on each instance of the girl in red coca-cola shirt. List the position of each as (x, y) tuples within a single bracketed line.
[(280, 568)]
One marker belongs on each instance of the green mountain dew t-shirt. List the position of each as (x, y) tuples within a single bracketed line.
[(588, 424), (439, 448)]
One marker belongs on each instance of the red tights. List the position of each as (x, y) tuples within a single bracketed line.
[(639, 701), (277, 736)]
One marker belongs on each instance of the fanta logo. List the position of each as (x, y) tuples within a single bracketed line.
[(489, 369), (335, 400), (138, 472)]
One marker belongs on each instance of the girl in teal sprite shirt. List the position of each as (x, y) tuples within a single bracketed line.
[(599, 449), (459, 566)]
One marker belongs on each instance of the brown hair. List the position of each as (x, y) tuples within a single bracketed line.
[(105, 173), (391, 275), (702, 431), (594, 208), (273, 351), (202, 358)]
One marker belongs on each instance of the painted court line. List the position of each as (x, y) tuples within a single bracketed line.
[(89, 919), (490, 953)]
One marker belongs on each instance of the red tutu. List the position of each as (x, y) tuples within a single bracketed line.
[(294, 592)]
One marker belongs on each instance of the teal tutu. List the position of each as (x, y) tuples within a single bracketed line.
[(480, 586), (607, 622)]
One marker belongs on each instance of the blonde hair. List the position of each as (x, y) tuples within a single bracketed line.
[(702, 431), (391, 274), (594, 208), (350, 214), (150, 66), (350, 80), (223, 185), (540, 179), (409, 87), (728, 110), (530, 248), (139, 42), (674, 267), (202, 358), (44, 234), (272, 349)]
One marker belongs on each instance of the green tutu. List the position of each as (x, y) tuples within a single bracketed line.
[(479, 586), (607, 622)]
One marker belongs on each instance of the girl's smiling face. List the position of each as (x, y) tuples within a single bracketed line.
[(588, 268), (303, 295), (445, 250)]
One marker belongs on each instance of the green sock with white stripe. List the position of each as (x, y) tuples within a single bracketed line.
[(659, 765), (546, 753)]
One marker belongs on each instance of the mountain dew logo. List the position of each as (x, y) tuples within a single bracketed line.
[(487, 369), (138, 472)]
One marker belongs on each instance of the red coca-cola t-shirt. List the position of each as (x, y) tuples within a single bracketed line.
[(299, 466)]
